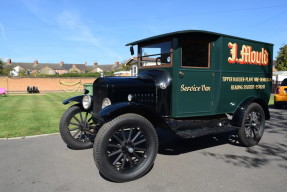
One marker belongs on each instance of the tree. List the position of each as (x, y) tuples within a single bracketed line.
[(1, 67), (282, 59), (124, 67)]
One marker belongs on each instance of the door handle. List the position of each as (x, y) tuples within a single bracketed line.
[(181, 74)]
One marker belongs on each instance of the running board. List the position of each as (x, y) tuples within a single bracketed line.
[(198, 132)]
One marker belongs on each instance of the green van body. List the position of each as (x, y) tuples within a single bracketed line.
[(238, 69)]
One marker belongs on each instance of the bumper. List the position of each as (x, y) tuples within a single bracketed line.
[(280, 98)]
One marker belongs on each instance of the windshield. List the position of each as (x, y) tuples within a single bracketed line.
[(155, 54), (284, 82)]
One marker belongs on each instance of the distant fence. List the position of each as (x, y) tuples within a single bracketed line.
[(18, 84)]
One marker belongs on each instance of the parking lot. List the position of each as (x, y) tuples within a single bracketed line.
[(204, 164)]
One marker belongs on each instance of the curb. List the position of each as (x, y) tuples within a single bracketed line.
[(28, 137)]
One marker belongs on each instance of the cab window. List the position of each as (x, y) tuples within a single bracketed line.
[(156, 55), (195, 53)]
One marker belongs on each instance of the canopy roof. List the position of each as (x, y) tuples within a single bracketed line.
[(185, 32)]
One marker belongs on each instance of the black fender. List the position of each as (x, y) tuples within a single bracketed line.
[(78, 99), (112, 111), (240, 111)]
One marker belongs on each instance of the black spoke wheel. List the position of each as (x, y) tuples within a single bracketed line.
[(125, 148), (77, 128), (253, 125)]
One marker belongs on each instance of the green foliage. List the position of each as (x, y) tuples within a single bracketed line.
[(22, 73), (124, 67), (4, 70), (282, 59), (1, 67)]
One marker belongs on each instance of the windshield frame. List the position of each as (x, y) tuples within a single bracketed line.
[(170, 53)]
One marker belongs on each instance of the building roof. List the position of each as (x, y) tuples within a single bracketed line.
[(54, 66), (61, 66), (131, 61)]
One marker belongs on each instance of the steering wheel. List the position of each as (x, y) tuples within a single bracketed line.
[(158, 58)]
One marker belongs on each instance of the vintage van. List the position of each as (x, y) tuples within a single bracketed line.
[(192, 83)]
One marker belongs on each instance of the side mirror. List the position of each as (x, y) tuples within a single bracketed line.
[(132, 50)]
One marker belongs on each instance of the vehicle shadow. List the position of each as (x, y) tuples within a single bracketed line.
[(273, 149), (170, 144)]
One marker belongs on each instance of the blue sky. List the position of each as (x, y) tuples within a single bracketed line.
[(78, 31)]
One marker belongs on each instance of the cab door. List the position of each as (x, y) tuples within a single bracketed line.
[(194, 88)]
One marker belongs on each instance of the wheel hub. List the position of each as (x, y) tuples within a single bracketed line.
[(254, 120), (128, 148), (84, 126)]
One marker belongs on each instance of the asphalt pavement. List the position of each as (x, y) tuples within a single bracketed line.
[(207, 164)]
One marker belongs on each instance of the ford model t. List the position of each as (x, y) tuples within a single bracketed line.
[(192, 83)]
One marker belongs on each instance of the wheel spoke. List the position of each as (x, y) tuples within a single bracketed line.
[(124, 162), (71, 123), (77, 119), (130, 134), (123, 135), (115, 153), (136, 155), (254, 133), (86, 116), (117, 159), (92, 123), (114, 146), (136, 136), (139, 149), (90, 119), (117, 138), (74, 129), (80, 136), (131, 161), (139, 142), (90, 132), (76, 133), (81, 116)]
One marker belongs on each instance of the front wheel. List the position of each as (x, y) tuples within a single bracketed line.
[(77, 128), (125, 148), (253, 124)]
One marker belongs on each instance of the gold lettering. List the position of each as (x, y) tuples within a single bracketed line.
[(233, 52), (194, 88), (248, 56)]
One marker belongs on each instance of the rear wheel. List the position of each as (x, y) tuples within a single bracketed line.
[(125, 148), (77, 128), (277, 105), (253, 124)]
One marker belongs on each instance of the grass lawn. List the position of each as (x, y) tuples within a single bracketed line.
[(31, 114), (271, 101)]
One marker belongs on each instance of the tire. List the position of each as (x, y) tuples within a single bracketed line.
[(253, 124), (125, 148), (77, 128), (277, 105)]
